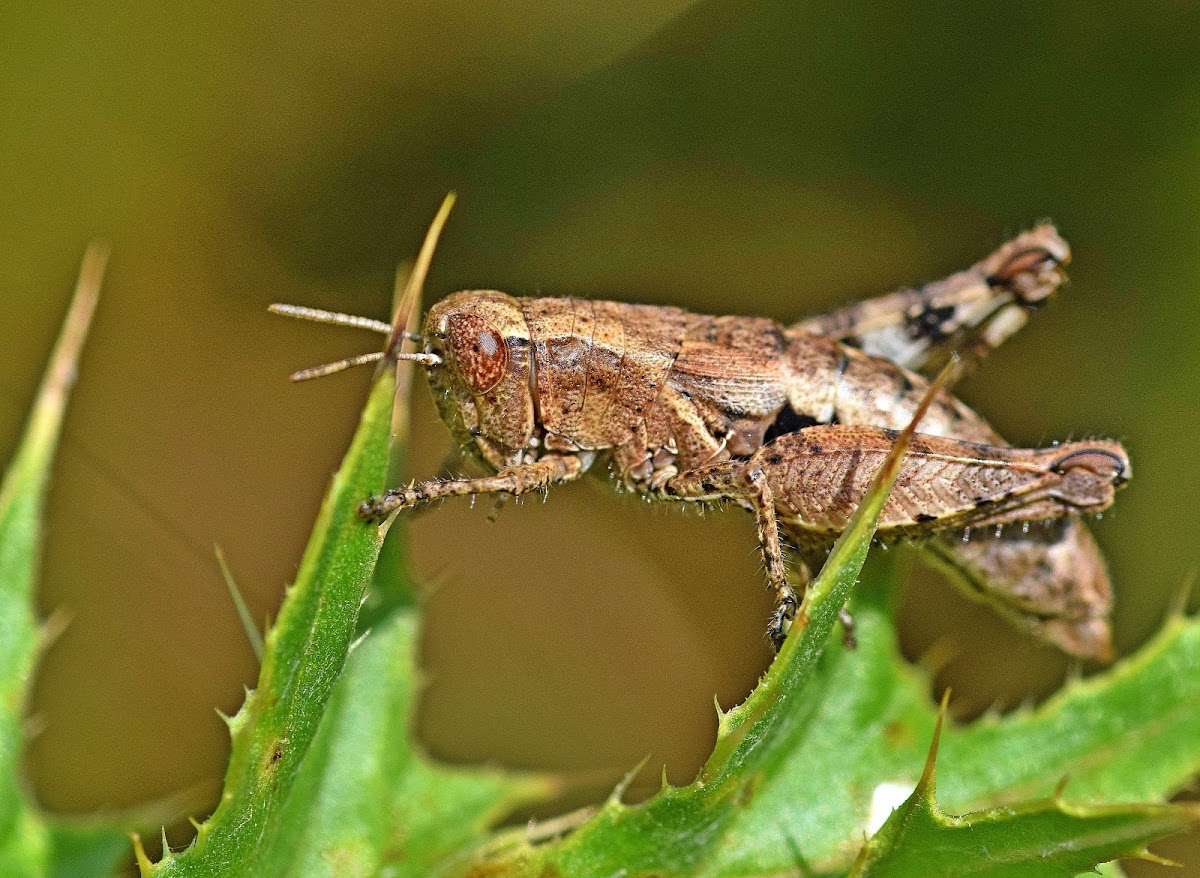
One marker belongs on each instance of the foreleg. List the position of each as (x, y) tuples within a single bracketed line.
[(515, 480)]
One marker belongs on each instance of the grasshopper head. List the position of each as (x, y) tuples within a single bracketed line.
[(476, 349), (482, 384)]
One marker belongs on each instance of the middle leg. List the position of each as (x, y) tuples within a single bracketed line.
[(745, 483)]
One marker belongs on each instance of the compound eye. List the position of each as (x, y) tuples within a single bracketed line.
[(479, 352)]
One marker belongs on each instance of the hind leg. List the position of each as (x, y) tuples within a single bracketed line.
[(970, 312)]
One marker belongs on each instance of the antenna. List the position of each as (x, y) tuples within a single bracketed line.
[(319, 315), (395, 333)]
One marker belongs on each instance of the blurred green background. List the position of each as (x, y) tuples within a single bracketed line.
[(725, 155)]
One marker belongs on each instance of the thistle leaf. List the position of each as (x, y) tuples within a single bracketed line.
[(324, 778), (30, 844), (1043, 839), (305, 651)]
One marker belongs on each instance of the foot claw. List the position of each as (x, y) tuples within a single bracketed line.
[(781, 619), (377, 509), (848, 639), (369, 509)]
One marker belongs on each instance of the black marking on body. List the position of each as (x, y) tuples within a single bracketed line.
[(931, 323), (904, 389), (787, 421), (842, 366)]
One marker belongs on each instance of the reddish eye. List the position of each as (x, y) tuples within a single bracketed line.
[(479, 352)]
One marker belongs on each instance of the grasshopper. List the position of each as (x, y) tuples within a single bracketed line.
[(789, 422)]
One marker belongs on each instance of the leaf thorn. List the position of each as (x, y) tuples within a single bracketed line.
[(614, 798), (1149, 857), (139, 853), (925, 786), (409, 301), (1177, 608), (239, 604)]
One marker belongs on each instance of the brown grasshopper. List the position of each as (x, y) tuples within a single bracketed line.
[(789, 422)]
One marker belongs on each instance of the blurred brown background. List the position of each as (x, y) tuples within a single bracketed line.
[(730, 156)]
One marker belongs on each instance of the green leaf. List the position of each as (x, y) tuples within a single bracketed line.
[(26, 846), (305, 651), (79, 848), (1132, 733), (1047, 840), (323, 778), (866, 730), (366, 802), (1044, 839)]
